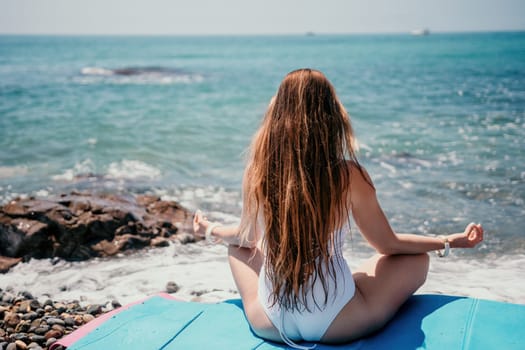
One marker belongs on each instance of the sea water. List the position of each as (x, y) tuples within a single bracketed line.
[(440, 120)]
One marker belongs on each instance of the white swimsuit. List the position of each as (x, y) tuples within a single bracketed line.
[(296, 325)]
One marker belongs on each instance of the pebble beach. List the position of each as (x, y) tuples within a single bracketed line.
[(31, 324), (196, 272)]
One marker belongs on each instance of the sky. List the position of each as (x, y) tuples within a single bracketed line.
[(187, 17)]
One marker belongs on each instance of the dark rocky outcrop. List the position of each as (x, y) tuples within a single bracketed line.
[(79, 226)]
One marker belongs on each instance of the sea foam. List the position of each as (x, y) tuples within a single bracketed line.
[(136, 75), (96, 71), (11, 171), (132, 169), (126, 169), (203, 274)]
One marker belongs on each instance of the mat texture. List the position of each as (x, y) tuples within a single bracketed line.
[(424, 322)]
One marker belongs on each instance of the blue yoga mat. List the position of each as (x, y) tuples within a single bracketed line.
[(424, 322)]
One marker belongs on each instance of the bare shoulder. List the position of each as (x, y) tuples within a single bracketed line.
[(359, 177), (361, 188)]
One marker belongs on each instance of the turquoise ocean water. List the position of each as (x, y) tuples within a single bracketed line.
[(440, 119)]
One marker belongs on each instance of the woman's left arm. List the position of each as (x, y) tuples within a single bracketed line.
[(376, 229), (469, 238)]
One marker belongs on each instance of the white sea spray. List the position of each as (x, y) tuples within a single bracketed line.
[(202, 273)]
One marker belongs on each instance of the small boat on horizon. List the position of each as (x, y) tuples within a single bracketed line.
[(420, 32)]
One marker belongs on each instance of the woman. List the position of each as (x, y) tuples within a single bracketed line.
[(301, 184)]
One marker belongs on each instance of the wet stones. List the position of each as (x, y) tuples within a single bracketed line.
[(25, 323), (79, 226), (94, 309), (172, 287)]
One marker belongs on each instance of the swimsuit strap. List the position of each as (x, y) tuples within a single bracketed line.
[(289, 341)]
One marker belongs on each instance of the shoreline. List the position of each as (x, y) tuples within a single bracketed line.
[(200, 273)]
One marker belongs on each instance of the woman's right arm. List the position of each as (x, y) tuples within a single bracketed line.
[(376, 229), (247, 234), (229, 234)]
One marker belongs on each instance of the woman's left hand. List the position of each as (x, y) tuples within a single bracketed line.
[(469, 238)]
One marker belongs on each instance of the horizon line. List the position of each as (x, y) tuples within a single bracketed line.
[(304, 33)]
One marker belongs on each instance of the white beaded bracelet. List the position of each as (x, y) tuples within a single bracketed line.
[(209, 236), (444, 253)]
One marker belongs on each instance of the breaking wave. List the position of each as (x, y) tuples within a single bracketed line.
[(136, 75)]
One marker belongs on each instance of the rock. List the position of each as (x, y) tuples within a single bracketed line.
[(60, 307), (27, 295), (11, 346), (40, 311), (3, 309), (50, 342), (53, 320), (94, 309), (30, 315), (25, 306), (185, 238), (78, 320), (7, 262), (20, 345), (41, 330), (59, 328), (115, 304), (87, 318), (198, 293), (53, 333), (34, 346), (79, 226), (48, 308), (36, 323), (172, 287), (11, 319), (160, 242), (69, 321), (40, 339), (8, 297), (73, 306), (23, 326), (20, 336), (34, 304)]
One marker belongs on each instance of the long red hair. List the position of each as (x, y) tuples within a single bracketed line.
[(297, 180)]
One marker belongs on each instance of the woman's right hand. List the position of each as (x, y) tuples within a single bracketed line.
[(472, 235), (200, 224)]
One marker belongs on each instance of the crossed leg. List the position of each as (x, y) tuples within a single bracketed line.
[(246, 264), (383, 284)]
